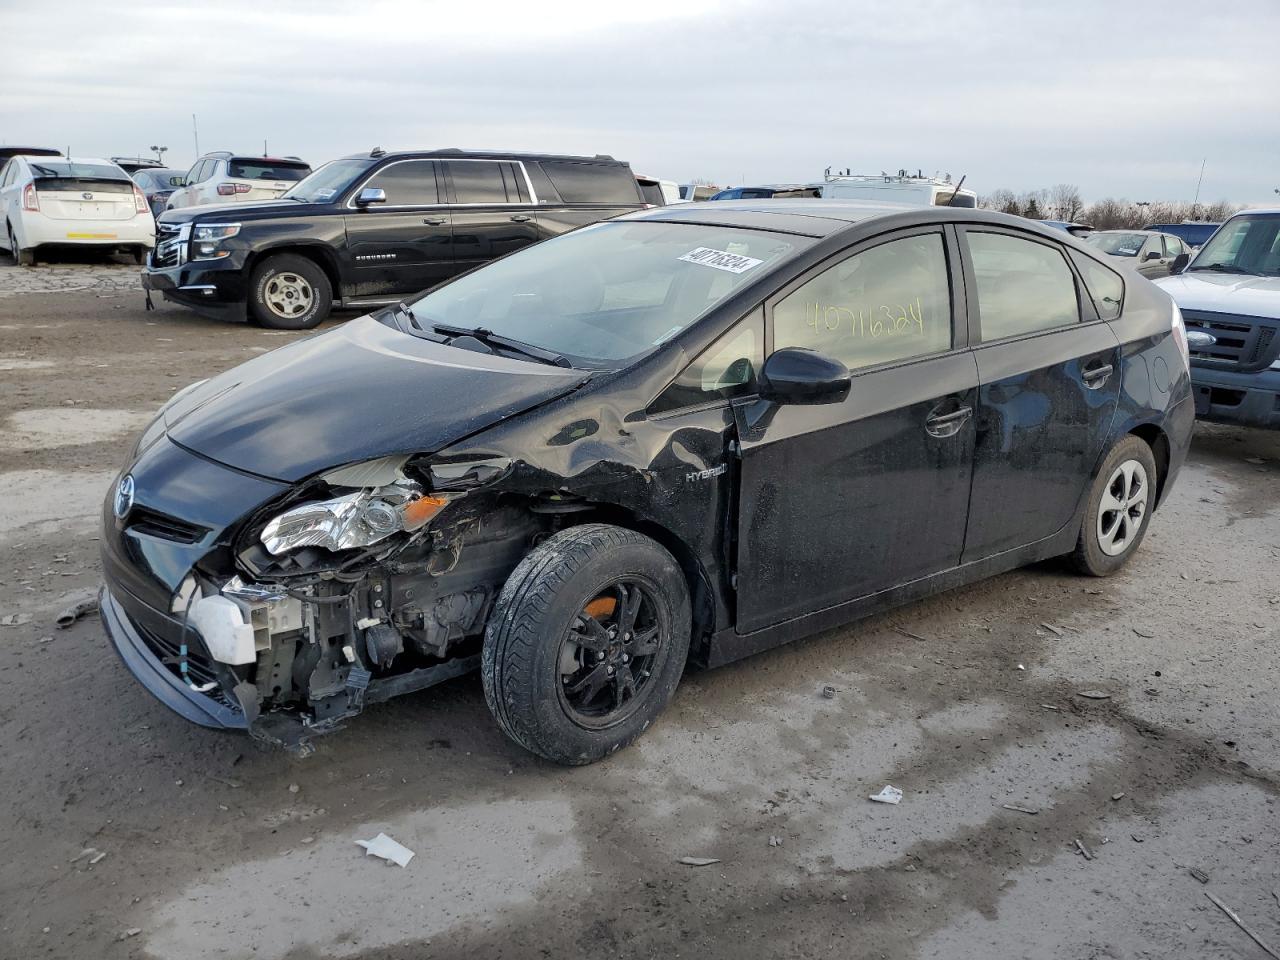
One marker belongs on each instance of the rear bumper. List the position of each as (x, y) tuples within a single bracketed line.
[(142, 660), (40, 231), (1245, 399)]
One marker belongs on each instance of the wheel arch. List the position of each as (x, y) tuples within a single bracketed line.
[(317, 253), (1154, 437)]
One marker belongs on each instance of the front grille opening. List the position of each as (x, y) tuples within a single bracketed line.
[(152, 523), (200, 666)]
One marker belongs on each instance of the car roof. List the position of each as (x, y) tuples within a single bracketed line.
[(61, 159), (822, 218), (446, 152), (1146, 233)]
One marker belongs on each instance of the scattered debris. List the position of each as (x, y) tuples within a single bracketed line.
[(386, 848), (775, 841), (131, 932), (1021, 667), (1255, 460), (1117, 796), (1198, 874), (308, 839), (1084, 851), (1056, 631), (293, 788), (829, 692), (889, 794), (14, 619), (1048, 706), (1276, 893), (1020, 809), (1094, 694), (234, 785), (698, 861), (98, 857), (1144, 633), (46, 639), (1136, 838), (913, 636), (74, 612), (86, 852), (1240, 923)]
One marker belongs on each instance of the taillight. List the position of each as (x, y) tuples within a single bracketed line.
[(29, 199), (243, 188), (140, 202), (226, 189), (1180, 337)]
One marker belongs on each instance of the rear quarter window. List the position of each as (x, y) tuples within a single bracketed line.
[(584, 182), (1105, 286)]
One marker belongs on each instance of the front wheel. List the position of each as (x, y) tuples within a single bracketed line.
[(289, 292), (586, 643), (1120, 504)]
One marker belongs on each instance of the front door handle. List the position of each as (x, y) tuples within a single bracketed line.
[(435, 221), (947, 424), (1097, 375), (521, 218)]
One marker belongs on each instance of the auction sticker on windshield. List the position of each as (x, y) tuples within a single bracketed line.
[(721, 260)]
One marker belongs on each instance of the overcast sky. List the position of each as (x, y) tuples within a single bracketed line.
[(1120, 98)]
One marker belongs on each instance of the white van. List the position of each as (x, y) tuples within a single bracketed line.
[(902, 188)]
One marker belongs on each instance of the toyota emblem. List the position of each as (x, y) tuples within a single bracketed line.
[(124, 496), (87, 196)]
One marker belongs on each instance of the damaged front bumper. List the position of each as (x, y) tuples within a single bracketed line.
[(145, 652)]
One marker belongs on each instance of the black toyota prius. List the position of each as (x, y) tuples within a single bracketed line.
[(687, 434)]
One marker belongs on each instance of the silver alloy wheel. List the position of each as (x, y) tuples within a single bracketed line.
[(1123, 507), (288, 295)]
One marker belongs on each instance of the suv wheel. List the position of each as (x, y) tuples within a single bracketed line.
[(289, 292), (1120, 504), (586, 643)]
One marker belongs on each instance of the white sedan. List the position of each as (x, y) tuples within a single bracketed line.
[(63, 201)]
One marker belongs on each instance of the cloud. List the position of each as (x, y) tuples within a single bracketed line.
[(1117, 98)]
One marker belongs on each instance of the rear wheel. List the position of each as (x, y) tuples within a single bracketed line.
[(586, 643), (23, 258), (1120, 504), (289, 292)]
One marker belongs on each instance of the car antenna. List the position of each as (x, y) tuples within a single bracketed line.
[(956, 192)]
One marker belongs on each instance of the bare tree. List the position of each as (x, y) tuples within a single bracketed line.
[(1064, 202)]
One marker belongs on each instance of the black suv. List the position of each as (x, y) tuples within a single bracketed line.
[(371, 229)]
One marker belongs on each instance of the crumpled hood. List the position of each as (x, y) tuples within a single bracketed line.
[(362, 391), (1245, 296)]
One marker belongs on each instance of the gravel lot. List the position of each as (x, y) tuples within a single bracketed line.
[(217, 848)]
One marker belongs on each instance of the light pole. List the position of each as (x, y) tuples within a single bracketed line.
[(159, 152)]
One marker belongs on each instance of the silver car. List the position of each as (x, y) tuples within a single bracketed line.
[(1150, 253)]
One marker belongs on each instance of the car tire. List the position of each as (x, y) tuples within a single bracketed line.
[(565, 701), (1121, 499), (23, 258), (139, 255), (289, 292)]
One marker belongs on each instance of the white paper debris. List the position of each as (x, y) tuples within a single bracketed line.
[(698, 861), (386, 848), (887, 795)]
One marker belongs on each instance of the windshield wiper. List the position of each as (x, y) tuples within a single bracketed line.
[(1221, 268), (491, 339), (406, 311)]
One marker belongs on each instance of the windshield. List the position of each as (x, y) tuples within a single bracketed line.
[(328, 182), (607, 292), (1246, 244), (1117, 244)]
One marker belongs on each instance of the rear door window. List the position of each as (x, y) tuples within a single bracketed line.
[(585, 182), (1023, 286), (888, 303), (408, 183), (479, 181)]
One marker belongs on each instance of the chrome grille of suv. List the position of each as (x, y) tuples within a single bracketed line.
[(1242, 343), (171, 246)]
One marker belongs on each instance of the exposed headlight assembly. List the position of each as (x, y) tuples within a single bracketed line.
[(360, 518)]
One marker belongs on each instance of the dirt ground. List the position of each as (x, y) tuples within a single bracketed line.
[(970, 703)]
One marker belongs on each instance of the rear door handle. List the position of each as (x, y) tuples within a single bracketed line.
[(521, 218), (1095, 376), (435, 221), (947, 424)]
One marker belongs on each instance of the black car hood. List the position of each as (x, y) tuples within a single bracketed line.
[(362, 391), (264, 209)]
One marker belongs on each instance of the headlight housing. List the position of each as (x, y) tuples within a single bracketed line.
[(359, 518), (207, 237)]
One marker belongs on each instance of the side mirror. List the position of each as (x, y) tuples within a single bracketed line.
[(371, 195), (1180, 263), (1153, 255), (796, 375)]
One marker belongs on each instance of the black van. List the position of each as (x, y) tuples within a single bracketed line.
[(371, 229)]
